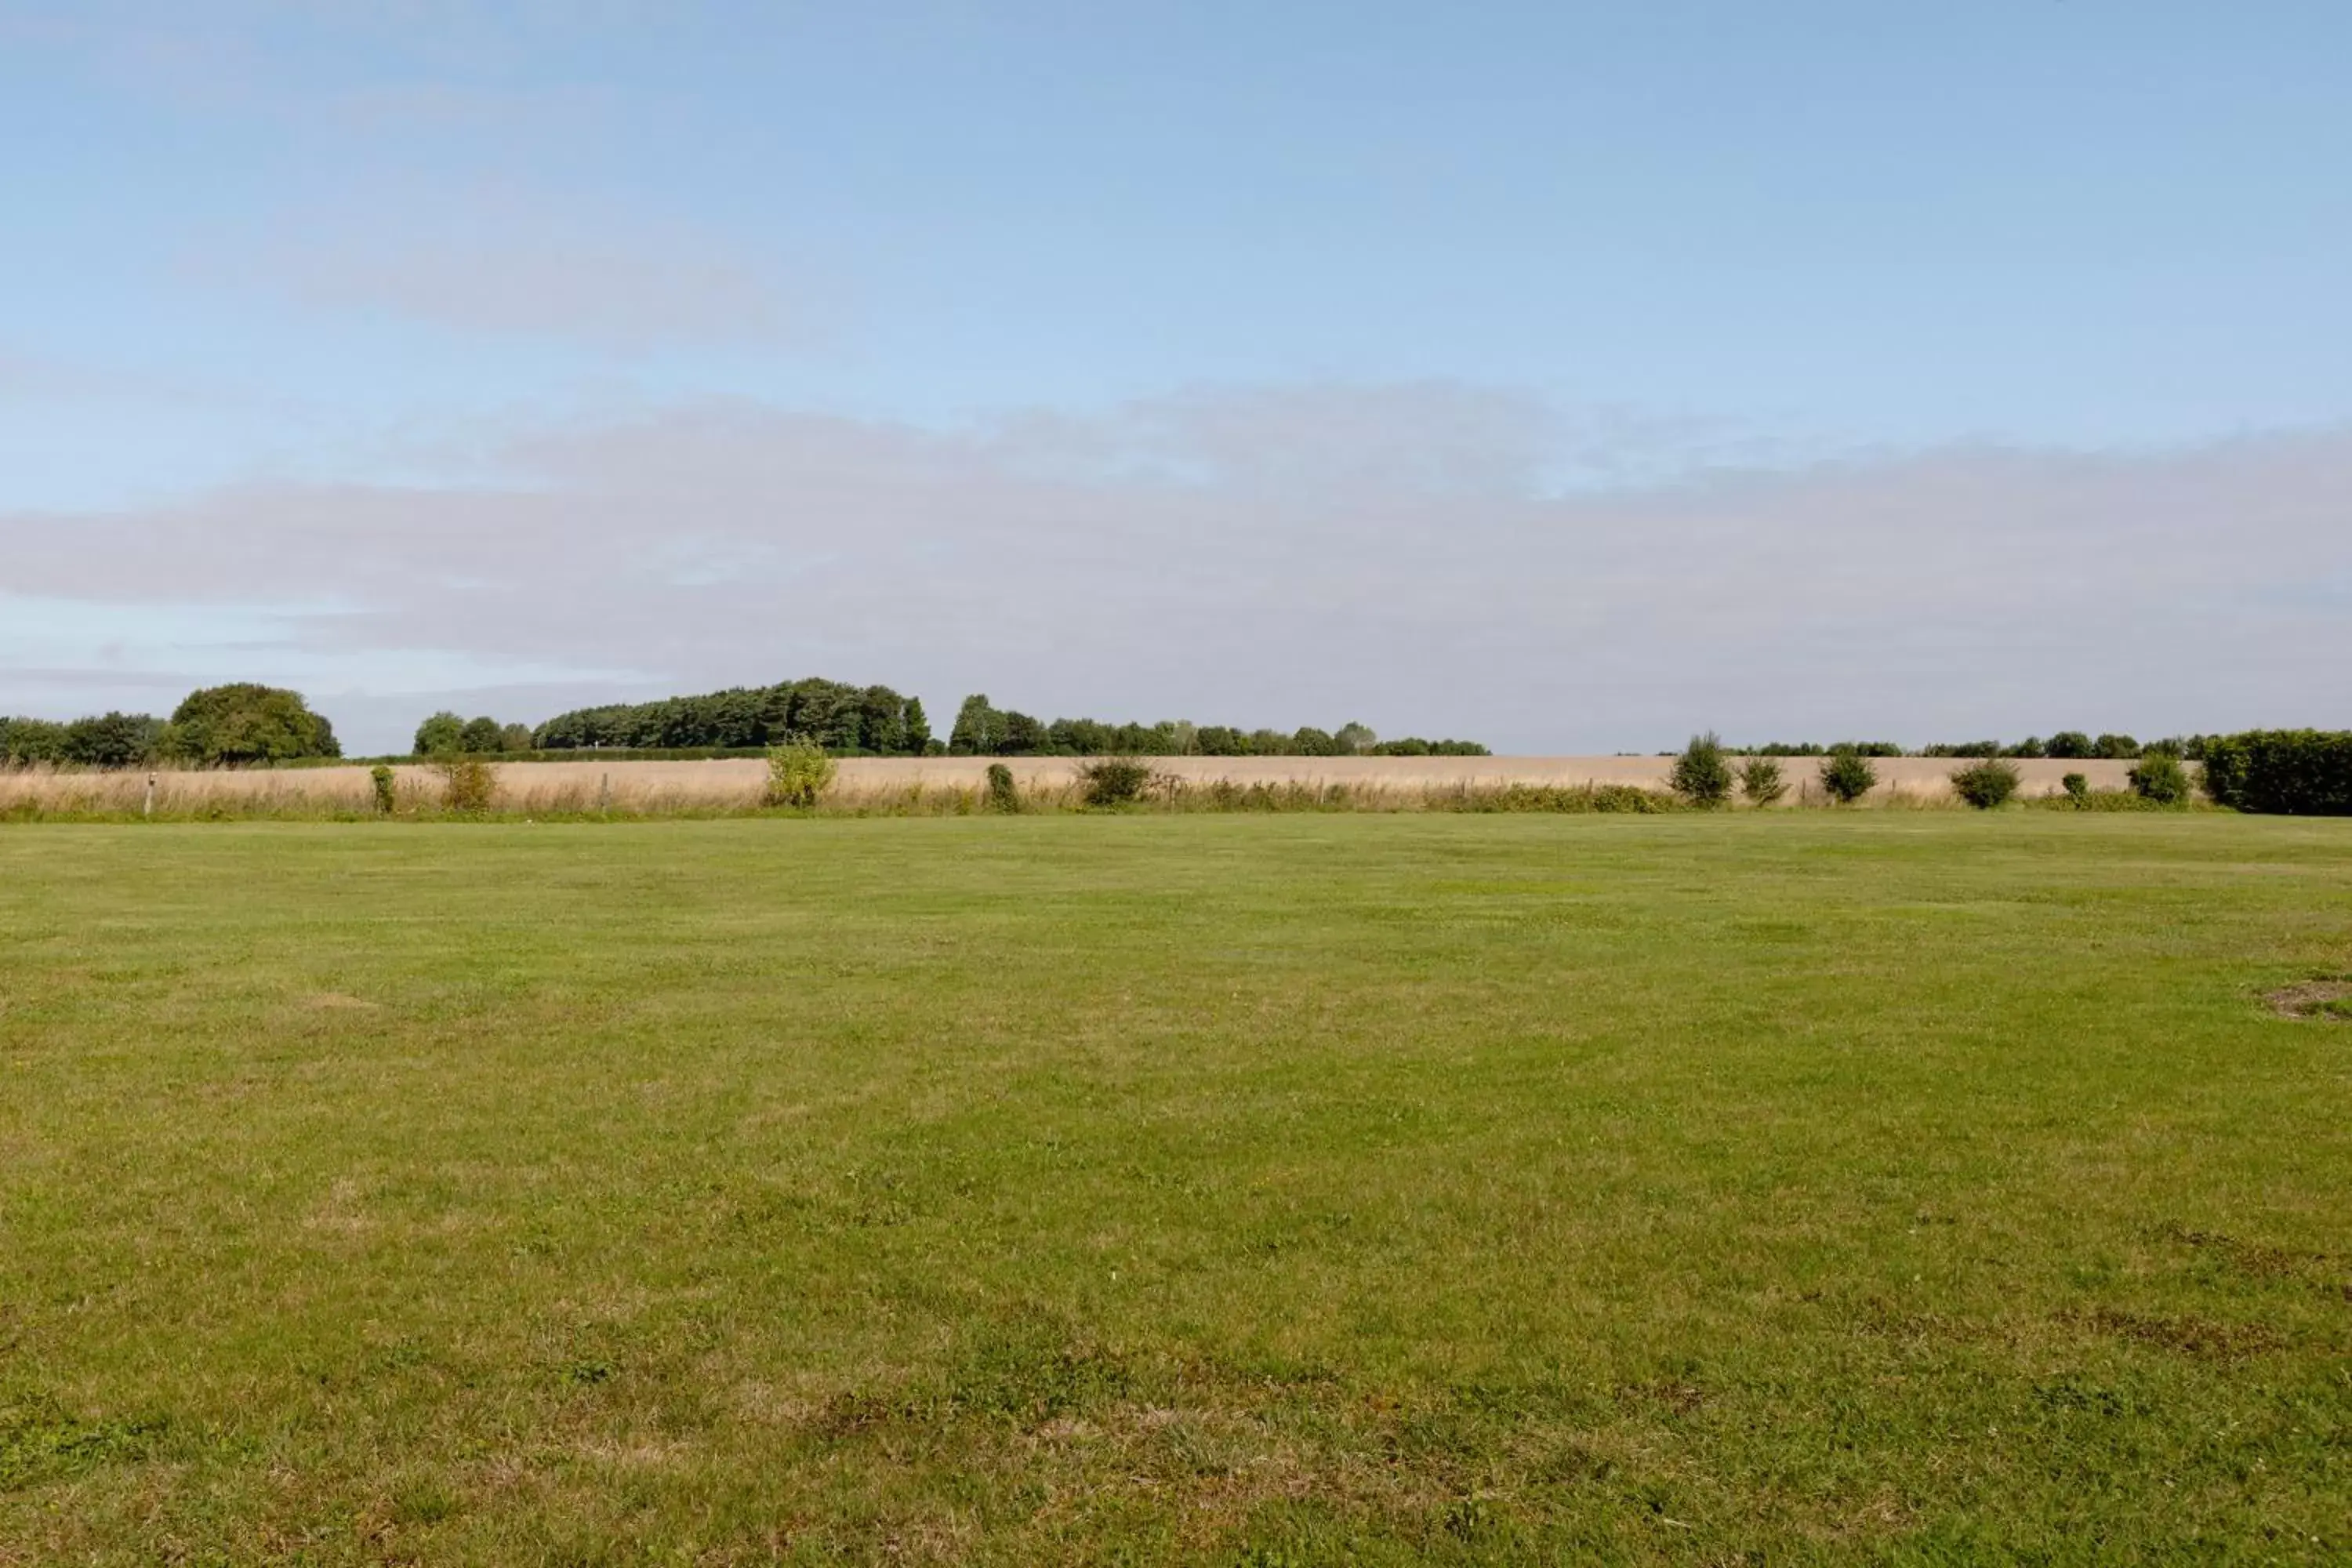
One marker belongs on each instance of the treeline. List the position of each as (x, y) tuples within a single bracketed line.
[(984, 729), (847, 721), (876, 722), (215, 727), (2072, 745)]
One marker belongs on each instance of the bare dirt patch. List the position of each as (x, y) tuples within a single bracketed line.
[(2199, 1338), (2329, 1000)]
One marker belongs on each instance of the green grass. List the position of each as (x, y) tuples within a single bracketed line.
[(1778, 1187)]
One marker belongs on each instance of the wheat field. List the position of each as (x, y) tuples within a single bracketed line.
[(726, 783)]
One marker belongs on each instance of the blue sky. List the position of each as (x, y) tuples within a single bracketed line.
[(1539, 349)]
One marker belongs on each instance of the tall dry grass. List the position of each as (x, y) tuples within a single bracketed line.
[(940, 786)]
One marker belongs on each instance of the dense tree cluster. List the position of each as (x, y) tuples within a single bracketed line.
[(218, 726), (1815, 749), (984, 729), (447, 734), (101, 741), (2072, 744), (849, 721)]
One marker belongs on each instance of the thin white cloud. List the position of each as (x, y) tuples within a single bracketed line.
[(1421, 573), (506, 262)]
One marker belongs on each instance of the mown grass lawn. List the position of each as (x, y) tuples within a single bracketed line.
[(1776, 1188)]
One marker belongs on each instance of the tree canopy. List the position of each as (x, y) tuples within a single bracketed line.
[(870, 720), (245, 723)]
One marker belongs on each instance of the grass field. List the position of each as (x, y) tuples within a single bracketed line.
[(1785, 1187)]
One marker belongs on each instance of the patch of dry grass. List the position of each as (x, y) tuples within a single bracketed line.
[(935, 786)]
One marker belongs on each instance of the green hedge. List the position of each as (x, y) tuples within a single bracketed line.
[(2290, 773)]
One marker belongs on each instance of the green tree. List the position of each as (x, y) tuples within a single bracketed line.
[(1353, 738), (247, 722), (1847, 774), (1701, 775), (1986, 784), (978, 729), (919, 728), (2159, 777), (2071, 744), (515, 738), (1023, 737), (25, 741), (882, 721), (481, 736), (443, 733), (113, 739)]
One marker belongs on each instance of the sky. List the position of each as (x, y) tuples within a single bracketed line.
[(1567, 376)]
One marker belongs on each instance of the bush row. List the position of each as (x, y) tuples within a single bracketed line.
[(2297, 772), (1703, 776), (2072, 745)]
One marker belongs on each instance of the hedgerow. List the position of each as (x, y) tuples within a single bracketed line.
[(2293, 772)]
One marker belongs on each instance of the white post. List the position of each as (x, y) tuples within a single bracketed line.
[(148, 809)]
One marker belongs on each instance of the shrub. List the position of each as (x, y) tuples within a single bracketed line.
[(1986, 784), (2159, 776), (799, 772), (2076, 786), (1565, 798), (1847, 774), (1761, 781), (1701, 775), (2097, 800), (1003, 794), (381, 777), (468, 784), (2297, 772), (1112, 781)]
